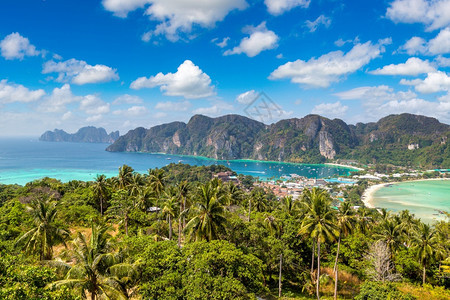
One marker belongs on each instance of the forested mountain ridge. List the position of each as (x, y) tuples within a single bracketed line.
[(403, 139), (87, 134)]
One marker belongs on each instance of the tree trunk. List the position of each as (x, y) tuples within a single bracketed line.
[(170, 227), (336, 268), (424, 274), (126, 225), (335, 283), (279, 277), (318, 269), (101, 206), (184, 208), (312, 259), (249, 209), (179, 233)]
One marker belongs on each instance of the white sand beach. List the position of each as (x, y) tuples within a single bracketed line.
[(367, 197), (345, 166)]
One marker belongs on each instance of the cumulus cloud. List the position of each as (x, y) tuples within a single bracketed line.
[(132, 111), (377, 100), (412, 67), (277, 7), (121, 8), (173, 106), (434, 82), (375, 95), (189, 81), (215, 109), (330, 67), (58, 99), (438, 45), (247, 97), (79, 72), (330, 110), (127, 99), (260, 39), (93, 105), (433, 14), (15, 46), (321, 20), (443, 61), (10, 93), (177, 16)]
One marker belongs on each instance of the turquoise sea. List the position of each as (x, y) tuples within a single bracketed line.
[(24, 160), (423, 198)]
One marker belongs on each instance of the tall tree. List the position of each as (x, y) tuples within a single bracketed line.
[(424, 243), (100, 189), (121, 207), (124, 177), (91, 271), (319, 222), (345, 223), (169, 207), (208, 215), (46, 233), (157, 180)]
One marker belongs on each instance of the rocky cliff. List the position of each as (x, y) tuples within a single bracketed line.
[(88, 134), (312, 139)]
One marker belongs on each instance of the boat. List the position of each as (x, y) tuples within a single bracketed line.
[(168, 158)]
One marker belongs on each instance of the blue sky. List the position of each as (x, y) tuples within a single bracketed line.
[(121, 64)]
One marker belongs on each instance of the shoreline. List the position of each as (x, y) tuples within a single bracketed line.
[(368, 196), (344, 166)]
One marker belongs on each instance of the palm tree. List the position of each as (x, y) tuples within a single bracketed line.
[(100, 189), (135, 184), (319, 222), (121, 207), (157, 180), (289, 205), (183, 191), (95, 267), (45, 234), (169, 209), (208, 215), (124, 178), (391, 232), (424, 242), (345, 224), (233, 193)]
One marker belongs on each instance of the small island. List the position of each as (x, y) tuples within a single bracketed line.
[(89, 134)]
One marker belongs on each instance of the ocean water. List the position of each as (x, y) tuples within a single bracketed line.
[(423, 198), (24, 160)]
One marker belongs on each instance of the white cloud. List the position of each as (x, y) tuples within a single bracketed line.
[(66, 116), (177, 16), (79, 72), (93, 105), (216, 109), (15, 46), (434, 82), (438, 45), (132, 111), (321, 20), (58, 100), (329, 68), (433, 14), (160, 115), (189, 81), (247, 97), (330, 110), (221, 44), (277, 7), (10, 93), (373, 96), (94, 118), (413, 66), (415, 45), (443, 61), (173, 106), (260, 39), (128, 99), (121, 8)]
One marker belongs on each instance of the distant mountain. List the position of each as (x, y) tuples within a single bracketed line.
[(404, 139), (87, 134)]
